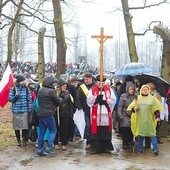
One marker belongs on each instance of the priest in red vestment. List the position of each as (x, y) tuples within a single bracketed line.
[(101, 101)]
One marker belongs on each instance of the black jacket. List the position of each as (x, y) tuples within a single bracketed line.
[(47, 98), (81, 98), (73, 91), (66, 108)]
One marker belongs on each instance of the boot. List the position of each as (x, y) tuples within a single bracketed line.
[(17, 134), (18, 142), (24, 137), (24, 143)]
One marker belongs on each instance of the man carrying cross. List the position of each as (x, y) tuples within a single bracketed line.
[(101, 100)]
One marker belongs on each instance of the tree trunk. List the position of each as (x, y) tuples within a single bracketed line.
[(9, 57), (129, 30), (165, 35), (41, 62), (60, 38), (10, 32), (1, 1), (1, 48)]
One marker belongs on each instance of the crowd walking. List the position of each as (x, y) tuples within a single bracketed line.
[(134, 112)]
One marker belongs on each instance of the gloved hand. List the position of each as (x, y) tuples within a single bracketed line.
[(79, 108), (99, 99), (16, 98), (104, 102), (60, 100)]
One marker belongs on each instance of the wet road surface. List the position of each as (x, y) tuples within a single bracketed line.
[(76, 157)]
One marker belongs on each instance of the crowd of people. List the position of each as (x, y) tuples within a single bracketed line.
[(134, 112), (30, 69)]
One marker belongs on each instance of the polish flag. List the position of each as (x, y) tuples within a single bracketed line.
[(6, 83)]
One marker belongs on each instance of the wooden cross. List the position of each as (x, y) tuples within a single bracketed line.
[(101, 38)]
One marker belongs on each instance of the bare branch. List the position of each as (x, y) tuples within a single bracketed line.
[(148, 6), (116, 9), (148, 29), (87, 1), (33, 14), (4, 26), (3, 4), (37, 11), (9, 18)]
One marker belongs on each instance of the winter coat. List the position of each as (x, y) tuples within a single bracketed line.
[(24, 103), (123, 114), (66, 107), (81, 98), (73, 91), (47, 98)]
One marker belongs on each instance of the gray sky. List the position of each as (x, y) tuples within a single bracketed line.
[(103, 13), (96, 15)]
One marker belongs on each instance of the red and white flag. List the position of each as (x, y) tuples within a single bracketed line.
[(5, 84)]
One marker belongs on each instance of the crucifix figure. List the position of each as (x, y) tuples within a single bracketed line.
[(101, 38)]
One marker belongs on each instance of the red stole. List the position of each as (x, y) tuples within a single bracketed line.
[(95, 91)]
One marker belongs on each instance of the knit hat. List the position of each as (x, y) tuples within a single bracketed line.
[(48, 81), (55, 81), (128, 85), (73, 79), (20, 78), (62, 82)]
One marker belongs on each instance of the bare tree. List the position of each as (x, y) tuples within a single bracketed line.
[(165, 35), (10, 32), (41, 62), (76, 43), (18, 39), (15, 37), (60, 38), (1, 47), (51, 42), (129, 28)]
